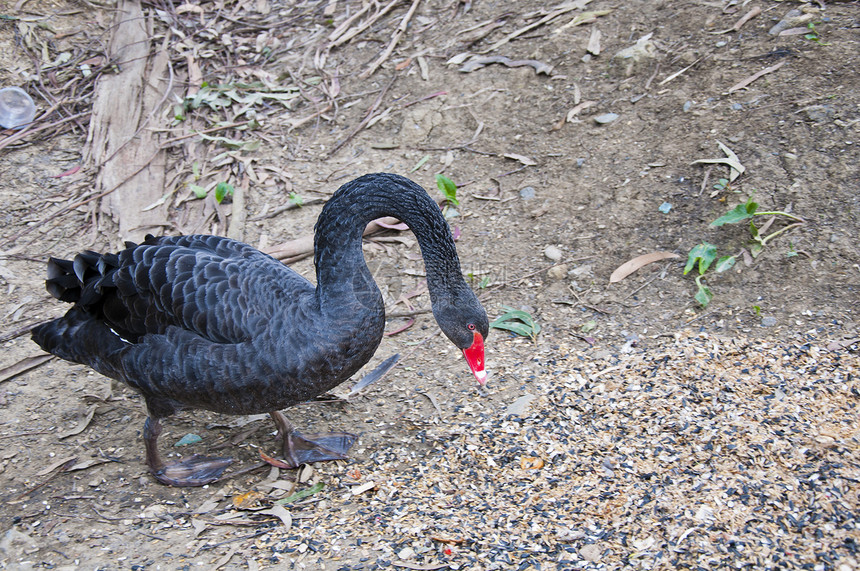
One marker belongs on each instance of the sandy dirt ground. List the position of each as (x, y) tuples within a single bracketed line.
[(638, 429)]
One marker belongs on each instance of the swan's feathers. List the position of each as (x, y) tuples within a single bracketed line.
[(218, 288)]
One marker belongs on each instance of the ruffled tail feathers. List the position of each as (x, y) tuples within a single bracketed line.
[(81, 338), (81, 280)]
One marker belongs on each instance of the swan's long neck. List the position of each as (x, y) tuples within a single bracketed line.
[(342, 274)]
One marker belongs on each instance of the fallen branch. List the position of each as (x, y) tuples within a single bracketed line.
[(299, 248), (562, 9), (398, 33), (366, 120)]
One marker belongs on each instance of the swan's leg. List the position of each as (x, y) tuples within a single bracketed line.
[(194, 470), (306, 448)]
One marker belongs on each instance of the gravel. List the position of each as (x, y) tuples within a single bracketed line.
[(696, 452)]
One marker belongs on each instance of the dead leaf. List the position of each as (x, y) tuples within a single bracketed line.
[(248, 500), (742, 84), (82, 424), (521, 158), (281, 513), (478, 62), (198, 525), (577, 108), (23, 366), (226, 559), (274, 461), (593, 46), (731, 159), (631, 266), (531, 463), (53, 466)]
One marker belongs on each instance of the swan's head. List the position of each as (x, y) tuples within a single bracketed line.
[(464, 322)]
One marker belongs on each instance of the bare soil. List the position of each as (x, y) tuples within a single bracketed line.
[(551, 202)]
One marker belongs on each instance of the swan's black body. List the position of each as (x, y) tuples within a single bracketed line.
[(208, 322)]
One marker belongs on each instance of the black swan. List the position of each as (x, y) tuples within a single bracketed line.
[(207, 322)]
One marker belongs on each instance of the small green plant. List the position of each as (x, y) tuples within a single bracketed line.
[(448, 188), (722, 184), (705, 254), (296, 199), (813, 36), (748, 211), (517, 321), (223, 190)]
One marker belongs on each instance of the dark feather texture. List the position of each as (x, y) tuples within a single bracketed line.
[(208, 322)]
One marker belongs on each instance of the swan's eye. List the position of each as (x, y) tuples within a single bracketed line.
[(471, 327)]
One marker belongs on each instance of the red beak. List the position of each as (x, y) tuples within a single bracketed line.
[(475, 358)]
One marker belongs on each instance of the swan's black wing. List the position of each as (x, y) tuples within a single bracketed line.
[(221, 289), (189, 321)]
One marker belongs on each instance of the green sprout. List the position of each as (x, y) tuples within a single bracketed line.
[(448, 188), (705, 254)]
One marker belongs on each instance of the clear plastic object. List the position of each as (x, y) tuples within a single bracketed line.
[(16, 108)]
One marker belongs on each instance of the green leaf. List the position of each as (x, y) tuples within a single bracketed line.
[(296, 199), (302, 494), (751, 207), (725, 263), (734, 215), (754, 231), (448, 188), (527, 327), (704, 254), (704, 295), (755, 249), (222, 190), (420, 163), (198, 190)]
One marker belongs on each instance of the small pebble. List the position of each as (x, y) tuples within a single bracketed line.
[(553, 253), (768, 321), (527, 193), (557, 273), (665, 207), (406, 553), (687, 106), (606, 118), (737, 106), (580, 162), (590, 552), (820, 113)]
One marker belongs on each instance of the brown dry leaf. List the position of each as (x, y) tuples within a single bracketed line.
[(744, 83), (282, 514), (274, 461), (577, 108), (82, 424), (631, 266), (248, 500), (521, 158), (53, 466), (593, 46), (23, 366)]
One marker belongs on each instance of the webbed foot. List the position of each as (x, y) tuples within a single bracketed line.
[(306, 448)]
